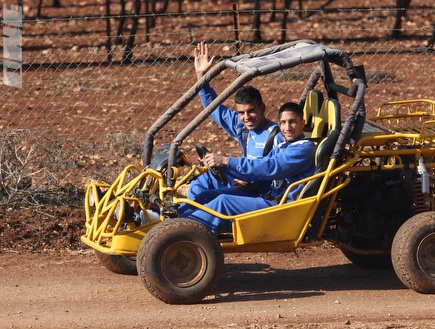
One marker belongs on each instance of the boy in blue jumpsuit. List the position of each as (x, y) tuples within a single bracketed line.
[(285, 164), (248, 124)]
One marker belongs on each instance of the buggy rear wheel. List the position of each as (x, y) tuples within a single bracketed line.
[(180, 261), (413, 253)]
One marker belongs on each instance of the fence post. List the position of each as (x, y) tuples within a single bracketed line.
[(108, 28), (236, 28)]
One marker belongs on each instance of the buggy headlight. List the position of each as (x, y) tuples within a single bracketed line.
[(91, 197), (123, 211), (118, 210), (94, 196)]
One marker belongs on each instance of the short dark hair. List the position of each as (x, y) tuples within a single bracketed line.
[(291, 107), (248, 94)]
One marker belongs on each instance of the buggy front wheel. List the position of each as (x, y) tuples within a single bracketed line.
[(180, 261), (413, 253)]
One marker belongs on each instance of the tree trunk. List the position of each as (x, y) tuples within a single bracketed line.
[(401, 8), (128, 52), (118, 40), (108, 28), (287, 5), (257, 22), (431, 41)]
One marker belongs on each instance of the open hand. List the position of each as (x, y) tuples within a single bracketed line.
[(202, 60)]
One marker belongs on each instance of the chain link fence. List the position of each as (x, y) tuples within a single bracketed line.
[(95, 76)]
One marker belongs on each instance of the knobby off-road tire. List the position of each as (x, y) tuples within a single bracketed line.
[(180, 261), (413, 253), (118, 264)]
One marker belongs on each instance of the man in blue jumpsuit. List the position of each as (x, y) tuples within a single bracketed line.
[(247, 124), (285, 164)]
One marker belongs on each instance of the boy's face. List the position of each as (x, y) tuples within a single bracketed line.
[(291, 125), (251, 114)]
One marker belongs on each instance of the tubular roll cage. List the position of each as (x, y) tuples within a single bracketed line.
[(264, 62)]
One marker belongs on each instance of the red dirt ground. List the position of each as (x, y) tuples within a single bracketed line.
[(316, 288)]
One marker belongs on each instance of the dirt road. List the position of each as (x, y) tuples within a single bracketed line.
[(316, 288)]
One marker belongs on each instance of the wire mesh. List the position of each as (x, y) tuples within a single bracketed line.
[(94, 81)]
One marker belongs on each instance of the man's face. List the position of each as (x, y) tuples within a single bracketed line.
[(251, 114), (291, 125)]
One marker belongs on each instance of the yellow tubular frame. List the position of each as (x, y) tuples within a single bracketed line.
[(278, 228)]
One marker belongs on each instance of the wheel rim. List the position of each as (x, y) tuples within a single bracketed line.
[(426, 254), (183, 264)]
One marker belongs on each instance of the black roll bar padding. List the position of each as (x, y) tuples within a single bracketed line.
[(351, 91), (360, 112), (174, 109), (353, 88), (354, 123), (352, 128), (350, 68), (311, 84), (328, 79), (340, 89), (148, 148), (324, 71), (361, 74), (352, 73)]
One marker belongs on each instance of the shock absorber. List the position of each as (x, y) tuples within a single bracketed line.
[(421, 188)]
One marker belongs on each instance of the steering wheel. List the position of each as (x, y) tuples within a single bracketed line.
[(217, 172)]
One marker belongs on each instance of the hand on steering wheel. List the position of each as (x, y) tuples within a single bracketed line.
[(217, 172)]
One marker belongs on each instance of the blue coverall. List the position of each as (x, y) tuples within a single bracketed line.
[(230, 122), (285, 164)]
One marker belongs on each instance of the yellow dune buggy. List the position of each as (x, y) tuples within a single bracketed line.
[(372, 193)]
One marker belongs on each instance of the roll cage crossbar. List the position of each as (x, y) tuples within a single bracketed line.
[(263, 62)]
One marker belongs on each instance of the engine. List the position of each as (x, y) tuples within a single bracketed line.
[(370, 210)]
